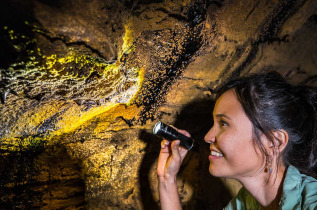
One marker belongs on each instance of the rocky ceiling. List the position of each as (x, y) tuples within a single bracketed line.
[(83, 82)]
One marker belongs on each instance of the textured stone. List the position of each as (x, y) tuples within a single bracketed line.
[(83, 82)]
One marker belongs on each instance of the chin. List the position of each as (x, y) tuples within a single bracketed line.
[(219, 172), (214, 172)]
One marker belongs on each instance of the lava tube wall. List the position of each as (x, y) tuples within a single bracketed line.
[(83, 82)]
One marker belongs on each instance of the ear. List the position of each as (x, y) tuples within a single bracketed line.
[(280, 141)]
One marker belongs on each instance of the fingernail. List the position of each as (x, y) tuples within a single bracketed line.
[(166, 142)]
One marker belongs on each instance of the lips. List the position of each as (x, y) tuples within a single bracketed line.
[(214, 154)]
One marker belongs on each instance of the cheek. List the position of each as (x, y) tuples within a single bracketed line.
[(249, 154), (227, 143), (237, 147)]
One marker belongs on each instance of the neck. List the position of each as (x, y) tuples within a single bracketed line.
[(266, 188)]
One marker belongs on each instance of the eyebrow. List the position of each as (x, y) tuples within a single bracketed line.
[(223, 115)]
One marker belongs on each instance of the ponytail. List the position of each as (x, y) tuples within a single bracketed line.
[(308, 103)]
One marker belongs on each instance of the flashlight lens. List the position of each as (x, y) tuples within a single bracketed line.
[(157, 127)]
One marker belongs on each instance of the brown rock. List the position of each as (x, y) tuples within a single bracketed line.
[(83, 83)]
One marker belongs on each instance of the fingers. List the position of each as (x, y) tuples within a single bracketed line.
[(174, 145), (183, 152), (164, 144), (184, 133), (170, 158), (175, 149), (181, 131), (172, 148)]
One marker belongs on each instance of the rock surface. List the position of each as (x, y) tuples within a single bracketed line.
[(83, 82)]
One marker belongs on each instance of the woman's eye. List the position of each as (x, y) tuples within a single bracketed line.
[(223, 123)]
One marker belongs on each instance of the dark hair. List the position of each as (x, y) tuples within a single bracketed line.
[(271, 103)]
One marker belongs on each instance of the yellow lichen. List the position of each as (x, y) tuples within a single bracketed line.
[(139, 84), (72, 115), (128, 38), (19, 144)]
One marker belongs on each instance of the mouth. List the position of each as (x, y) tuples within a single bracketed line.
[(215, 155)]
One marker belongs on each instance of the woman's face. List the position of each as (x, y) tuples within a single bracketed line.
[(233, 153)]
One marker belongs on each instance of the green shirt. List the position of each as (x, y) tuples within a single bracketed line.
[(299, 192)]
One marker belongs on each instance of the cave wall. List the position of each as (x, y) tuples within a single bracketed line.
[(83, 82)]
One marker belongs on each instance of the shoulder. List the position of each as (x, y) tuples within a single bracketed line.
[(243, 200), (309, 192), (299, 190)]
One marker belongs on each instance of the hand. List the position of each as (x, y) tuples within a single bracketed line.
[(171, 158)]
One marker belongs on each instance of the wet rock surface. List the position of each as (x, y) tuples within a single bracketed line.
[(83, 82)]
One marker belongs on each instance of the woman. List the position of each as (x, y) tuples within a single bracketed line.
[(265, 136)]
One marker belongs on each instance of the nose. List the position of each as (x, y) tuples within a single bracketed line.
[(210, 137)]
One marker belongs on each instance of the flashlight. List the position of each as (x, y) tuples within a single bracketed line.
[(170, 134)]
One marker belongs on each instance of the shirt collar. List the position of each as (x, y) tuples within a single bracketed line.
[(291, 195)]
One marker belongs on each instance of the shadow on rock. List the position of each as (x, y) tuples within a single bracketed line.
[(41, 178), (151, 154)]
